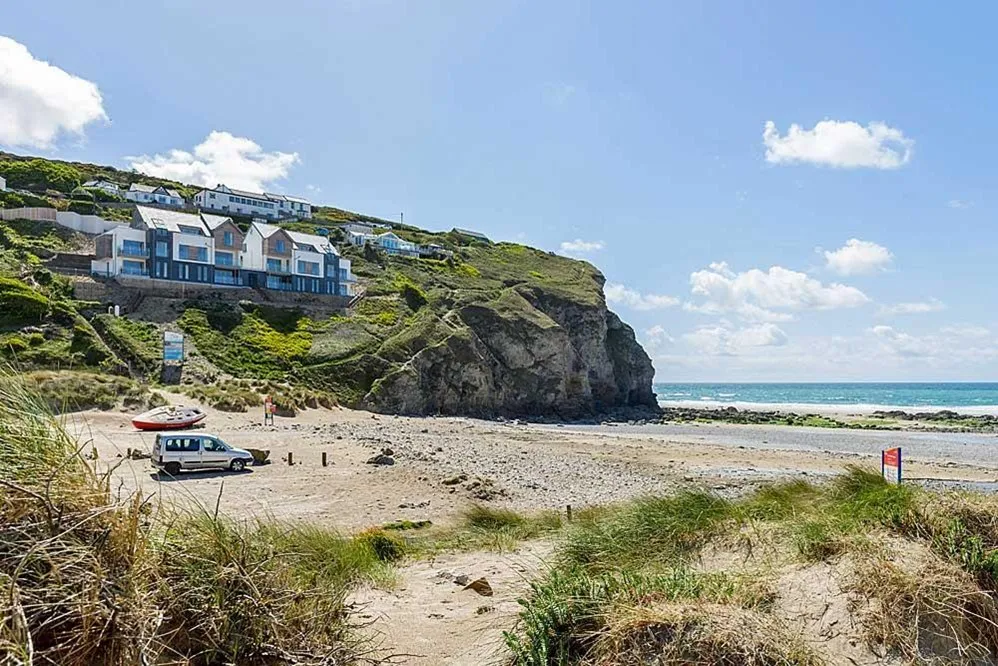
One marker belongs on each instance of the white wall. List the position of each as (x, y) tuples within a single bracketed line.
[(3, 184), (253, 256), (193, 241), (88, 224), (312, 257)]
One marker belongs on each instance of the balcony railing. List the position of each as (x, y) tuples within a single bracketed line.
[(135, 272), (225, 279), (127, 251), (278, 270)]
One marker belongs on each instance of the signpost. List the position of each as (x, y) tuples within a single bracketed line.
[(890, 464), (173, 347)]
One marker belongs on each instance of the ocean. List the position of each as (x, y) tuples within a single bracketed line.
[(982, 397)]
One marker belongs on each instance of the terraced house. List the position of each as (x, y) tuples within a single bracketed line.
[(154, 194), (211, 249), (285, 260)]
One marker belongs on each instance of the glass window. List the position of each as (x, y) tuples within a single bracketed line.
[(162, 249), (274, 265), (211, 195), (279, 247), (227, 238)]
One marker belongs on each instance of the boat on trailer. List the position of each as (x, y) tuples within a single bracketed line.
[(171, 417)]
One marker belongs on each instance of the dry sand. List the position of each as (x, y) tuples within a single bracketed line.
[(528, 467), (428, 620)]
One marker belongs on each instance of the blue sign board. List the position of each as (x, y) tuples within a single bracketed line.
[(173, 346)]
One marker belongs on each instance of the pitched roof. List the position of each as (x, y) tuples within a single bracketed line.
[(320, 243), (473, 234), (171, 220), (215, 221), (150, 189)]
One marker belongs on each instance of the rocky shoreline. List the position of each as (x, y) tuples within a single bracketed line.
[(942, 420)]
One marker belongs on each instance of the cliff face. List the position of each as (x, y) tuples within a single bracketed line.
[(528, 352)]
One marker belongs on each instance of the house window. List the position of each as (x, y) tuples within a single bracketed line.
[(161, 271), (162, 249), (279, 246), (133, 248), (308, 267), (190, 231), (223, 258), (275, 266), (227, 239), (211, 195), (192, 253), (132, 267)]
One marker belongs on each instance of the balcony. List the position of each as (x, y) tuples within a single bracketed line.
[(132, 251), (277, 269)]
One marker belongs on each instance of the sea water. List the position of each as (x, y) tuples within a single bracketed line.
[(881, 395)]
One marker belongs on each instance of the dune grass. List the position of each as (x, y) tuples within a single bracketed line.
[(88, 577), (625, 589)]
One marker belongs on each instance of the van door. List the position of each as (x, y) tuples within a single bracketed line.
[(214, 453)]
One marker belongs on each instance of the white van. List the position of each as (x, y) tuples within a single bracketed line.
[(176, 451)]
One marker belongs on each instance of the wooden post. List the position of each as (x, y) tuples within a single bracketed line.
[(323, 458), (569, 507), (291, 458)]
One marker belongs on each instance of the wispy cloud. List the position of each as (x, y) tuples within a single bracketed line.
[(915, 307), (843, 144), (959, 203), (579, 246), (618, 294)]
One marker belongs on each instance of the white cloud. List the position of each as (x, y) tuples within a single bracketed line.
[(40, 102), (619, 294), (949, 345), (858, 257), (915, 307), (657, 338), (580, 246), (834, 143), (221, 158), (959, 203), (758, 295), (557, 94), (728, 341)]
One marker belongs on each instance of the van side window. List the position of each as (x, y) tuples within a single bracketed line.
[(213, 445), (193, 444), (173, 444)]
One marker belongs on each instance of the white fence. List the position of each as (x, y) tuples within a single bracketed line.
[(88, 224)]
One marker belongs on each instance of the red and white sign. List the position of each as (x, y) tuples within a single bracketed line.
[(890, 464)]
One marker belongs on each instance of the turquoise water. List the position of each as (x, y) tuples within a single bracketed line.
[(899, 395)]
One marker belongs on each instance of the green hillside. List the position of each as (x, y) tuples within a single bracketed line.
[(506, 313)]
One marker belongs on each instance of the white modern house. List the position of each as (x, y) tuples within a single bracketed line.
[(105, 185), (121, 251), (3, 184), (388, 242), (154, 194), (253, 204)]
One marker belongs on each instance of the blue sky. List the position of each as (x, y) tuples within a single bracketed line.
[(636, 129)]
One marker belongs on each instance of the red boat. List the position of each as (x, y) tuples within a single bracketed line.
[(171, 417)]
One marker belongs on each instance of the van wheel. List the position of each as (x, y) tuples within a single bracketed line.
[(172, 468), (237, 466)]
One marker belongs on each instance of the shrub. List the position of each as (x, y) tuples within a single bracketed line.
[(386, 546), (20, 305), (39, 174), (83, 207)]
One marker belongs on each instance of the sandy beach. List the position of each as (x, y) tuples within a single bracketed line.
[(443, 465)]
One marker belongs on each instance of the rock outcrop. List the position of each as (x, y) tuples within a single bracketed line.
[(528, 352)]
